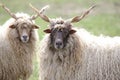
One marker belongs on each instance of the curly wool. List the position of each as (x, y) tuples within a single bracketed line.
[(86, 57)]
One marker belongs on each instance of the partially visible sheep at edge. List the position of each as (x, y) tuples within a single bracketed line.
[(69, 54), (18, 37)]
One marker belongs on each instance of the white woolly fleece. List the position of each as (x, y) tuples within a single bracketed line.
[(15, 56), (86, 57)]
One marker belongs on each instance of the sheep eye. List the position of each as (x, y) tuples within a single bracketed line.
[(61, 30), (65, 31), (52, 25)]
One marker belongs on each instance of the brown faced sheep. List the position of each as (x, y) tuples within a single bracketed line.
[(66, 55), (18, 38)]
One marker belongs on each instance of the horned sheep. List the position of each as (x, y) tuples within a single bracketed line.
[(18, 37), (69, 54)]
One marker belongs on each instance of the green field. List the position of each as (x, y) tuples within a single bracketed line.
[(104, 19)]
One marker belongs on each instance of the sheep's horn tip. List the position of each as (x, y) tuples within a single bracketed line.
[(94, 6), (47, 6), (30, 4), (1, 5)]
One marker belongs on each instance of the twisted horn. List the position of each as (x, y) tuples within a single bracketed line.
[(78, 18), (8, 11), (40, 13)]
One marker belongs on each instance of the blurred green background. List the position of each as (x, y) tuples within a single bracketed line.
[(104, 19)]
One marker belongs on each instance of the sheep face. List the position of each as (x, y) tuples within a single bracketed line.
[(24, 29), (59, 37), (59, 34)]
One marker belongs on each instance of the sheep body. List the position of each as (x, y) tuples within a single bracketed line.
[(86, 57), (15, 56)]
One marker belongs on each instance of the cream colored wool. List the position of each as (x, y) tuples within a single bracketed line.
[(15, 56), (86, 57)]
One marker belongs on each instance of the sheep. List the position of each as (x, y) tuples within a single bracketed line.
[(69, 54), (18, 37)]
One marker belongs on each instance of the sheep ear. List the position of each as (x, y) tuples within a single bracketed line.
[(72, 31), (47, 31), (12, 26), (35, 27)]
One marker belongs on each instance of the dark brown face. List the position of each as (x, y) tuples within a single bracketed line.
[(59, 36)]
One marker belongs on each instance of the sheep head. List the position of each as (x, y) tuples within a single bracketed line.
[(60, 29), (23, 24), (24, 28)]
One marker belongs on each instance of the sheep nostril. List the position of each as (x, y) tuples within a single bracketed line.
[(25, 37), (58, 43)]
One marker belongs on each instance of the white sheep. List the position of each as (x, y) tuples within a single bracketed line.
[(18, 37), (69, 54)]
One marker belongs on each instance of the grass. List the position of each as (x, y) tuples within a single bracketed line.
[(102, 24), (97, 23)]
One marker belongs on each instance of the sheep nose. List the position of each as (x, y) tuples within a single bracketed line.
[(58, 43), (25, 38)]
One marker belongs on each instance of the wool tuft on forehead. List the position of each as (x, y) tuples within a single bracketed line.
[(24, 20), (22, 15), (59, 26), (57, 21)]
